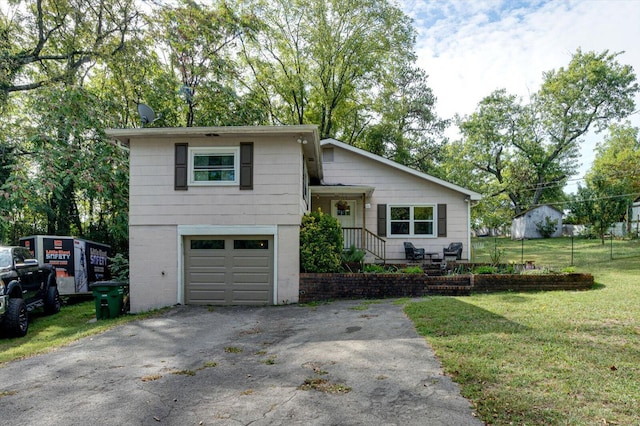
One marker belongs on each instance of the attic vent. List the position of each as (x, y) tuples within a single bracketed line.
[(327, 155)]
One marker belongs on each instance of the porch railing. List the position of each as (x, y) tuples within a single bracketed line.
[(366, 240)]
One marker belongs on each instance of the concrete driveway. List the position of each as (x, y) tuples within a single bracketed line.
[(343, 363)]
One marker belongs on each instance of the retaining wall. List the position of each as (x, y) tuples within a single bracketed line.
[(317, 287)]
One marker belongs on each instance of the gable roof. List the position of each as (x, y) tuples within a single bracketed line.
[(537, 207), (474, 196)]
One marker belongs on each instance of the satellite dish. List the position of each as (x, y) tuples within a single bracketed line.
[(147, 116)]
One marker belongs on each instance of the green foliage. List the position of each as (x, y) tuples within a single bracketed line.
[(353, 254), (119, 268), (526, 151), (374, 268), (485, 269), (547, 227), (599, 205), (496, 255), (320, 243), (411, 270), (329, 62)]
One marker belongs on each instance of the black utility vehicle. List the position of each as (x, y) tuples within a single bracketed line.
[(25, 284)]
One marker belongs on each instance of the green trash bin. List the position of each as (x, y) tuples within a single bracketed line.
[(109, 298)]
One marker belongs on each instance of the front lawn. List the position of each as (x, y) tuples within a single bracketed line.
[(548, 357), (47, 333)]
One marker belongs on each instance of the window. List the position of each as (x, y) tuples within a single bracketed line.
[(213, 166), (250, 244), (207, 244), (412, 220)]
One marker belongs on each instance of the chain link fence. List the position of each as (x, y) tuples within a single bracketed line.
[(555, 253)]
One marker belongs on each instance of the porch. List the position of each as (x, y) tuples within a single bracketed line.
[(350, 205)]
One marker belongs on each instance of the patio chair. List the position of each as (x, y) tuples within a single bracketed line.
[(454, 249), (413, 253)]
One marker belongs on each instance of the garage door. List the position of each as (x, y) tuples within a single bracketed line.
[(229, 270)]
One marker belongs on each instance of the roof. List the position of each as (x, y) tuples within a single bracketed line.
[(474, 196), (537, 207), (306, 135)]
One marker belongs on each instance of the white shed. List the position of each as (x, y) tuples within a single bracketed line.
[(528, 223)]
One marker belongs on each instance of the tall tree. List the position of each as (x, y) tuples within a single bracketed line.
[(408, 131), (531, 149), (321, 61), (617, 160), (200, 39), (43, 42)]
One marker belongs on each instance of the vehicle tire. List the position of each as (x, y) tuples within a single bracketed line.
[(16, 319), (52, 301)]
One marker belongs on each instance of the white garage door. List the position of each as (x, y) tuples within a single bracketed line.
[(229, 270)]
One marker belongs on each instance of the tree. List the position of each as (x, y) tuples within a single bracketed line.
[(599, 205), (617, 160), (531, 149), (199, 39), (44, 42), (321, 61), (409, 131)]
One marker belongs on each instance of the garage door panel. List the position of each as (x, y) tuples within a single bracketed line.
[(208, 262), (262, 279), (207, 277), (252, 262), (255, 297), (229, 270)]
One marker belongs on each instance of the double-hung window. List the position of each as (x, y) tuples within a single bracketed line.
[(214, 166), (407, 220)]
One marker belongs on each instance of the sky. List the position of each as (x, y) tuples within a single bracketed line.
[(470, 48)]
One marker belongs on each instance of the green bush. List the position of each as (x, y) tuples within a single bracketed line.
[(353, 255), (485, 269), (411, 270), (320, 243), (119, 268), (548, 227), (374, 268)]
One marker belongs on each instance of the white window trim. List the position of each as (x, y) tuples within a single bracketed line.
[(411, 221), (235, 151)]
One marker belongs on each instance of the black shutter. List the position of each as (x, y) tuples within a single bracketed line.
[(382, 220), (246, 165), (442, 220), (181, 160)]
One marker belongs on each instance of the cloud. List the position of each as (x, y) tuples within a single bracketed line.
[(471, 48)]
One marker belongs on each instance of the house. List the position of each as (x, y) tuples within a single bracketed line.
[(214, 213), (528, 223)]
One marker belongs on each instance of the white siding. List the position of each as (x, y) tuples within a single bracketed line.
[(275, 197), (525, 225), (156, 211), (153, 267), (393, 186)]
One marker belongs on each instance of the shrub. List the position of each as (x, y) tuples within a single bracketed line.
[(485, 269), (119, 268), (374, 268), (320, 243), (548, 227), (412, 270), (353, 255)]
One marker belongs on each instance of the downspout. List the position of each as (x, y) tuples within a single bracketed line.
[(468, 201), (364, 221)]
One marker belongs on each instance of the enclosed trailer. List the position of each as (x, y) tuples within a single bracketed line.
[(78, 262)]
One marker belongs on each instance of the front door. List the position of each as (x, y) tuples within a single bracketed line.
[(345, 212)]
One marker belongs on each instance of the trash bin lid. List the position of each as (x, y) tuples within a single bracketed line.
[(108, 284)]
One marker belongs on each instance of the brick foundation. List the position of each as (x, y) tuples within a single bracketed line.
[(317, 287)]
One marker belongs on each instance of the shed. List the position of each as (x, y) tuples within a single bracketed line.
[(528, 223)]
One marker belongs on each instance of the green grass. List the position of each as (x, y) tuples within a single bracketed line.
[(545, 358), (49, 332), (555, 253)]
